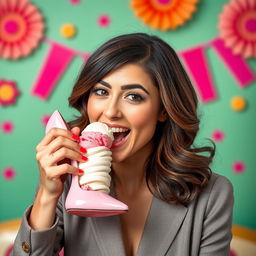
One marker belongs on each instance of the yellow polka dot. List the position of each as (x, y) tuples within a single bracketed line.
[(238, 103), (68, 30), (6, 92)]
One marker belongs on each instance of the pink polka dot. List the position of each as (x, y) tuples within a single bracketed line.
[(104, 20), (9, 173), (218, 135), (7, 126), (238, 166)]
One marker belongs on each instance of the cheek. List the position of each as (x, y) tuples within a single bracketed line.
[(145, 116), (93, 109)]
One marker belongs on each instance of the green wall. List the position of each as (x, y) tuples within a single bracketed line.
[(18, 148)]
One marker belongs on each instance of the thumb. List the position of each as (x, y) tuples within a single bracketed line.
[(76, 130)]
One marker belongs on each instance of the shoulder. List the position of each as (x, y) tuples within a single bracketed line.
[(214, 210), (219, 183), (216, 181), (218, 193)]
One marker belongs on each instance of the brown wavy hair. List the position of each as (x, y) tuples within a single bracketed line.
[(176, 168)]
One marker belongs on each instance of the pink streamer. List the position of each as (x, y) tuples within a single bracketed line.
[(235, 63), (195, 60), (84, 56), (55, 64), (197, 66)]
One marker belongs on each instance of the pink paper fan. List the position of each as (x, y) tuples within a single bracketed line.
[(237, 27), (20, 23)]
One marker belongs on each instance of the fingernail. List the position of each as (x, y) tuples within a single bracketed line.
[(80, 171), (83, 150), (75, 137), (84, 158)]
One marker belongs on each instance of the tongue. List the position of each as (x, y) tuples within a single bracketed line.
[(119, 135)]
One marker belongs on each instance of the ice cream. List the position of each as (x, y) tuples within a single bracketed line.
[(97, 138)]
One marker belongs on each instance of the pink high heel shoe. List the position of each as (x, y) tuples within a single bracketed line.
[(83, 202)]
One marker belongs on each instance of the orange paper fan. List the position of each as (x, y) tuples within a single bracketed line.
[(164, 14)]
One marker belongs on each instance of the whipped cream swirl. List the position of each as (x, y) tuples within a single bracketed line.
[(96, 169)]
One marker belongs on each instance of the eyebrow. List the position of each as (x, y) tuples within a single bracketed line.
[(125, 87)]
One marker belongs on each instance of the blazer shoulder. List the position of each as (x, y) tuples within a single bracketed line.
[(219, 181), (219, 189), (216, 209)]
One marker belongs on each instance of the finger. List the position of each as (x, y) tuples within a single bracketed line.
[(54, 172), (64, 153), (53, 133), (60, 142), (76, 130)]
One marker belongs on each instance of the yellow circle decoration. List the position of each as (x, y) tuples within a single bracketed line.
[(8, 92), (164, 14), (238, 103), (68, 30)]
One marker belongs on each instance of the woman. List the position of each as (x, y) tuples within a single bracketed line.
[(177, 205)]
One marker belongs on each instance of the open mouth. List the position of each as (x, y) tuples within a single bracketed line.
[(120, 136)]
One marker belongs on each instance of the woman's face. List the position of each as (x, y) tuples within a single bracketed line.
[(126, 98)]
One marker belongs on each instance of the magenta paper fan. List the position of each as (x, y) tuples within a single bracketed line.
[(21, 28), (237, 27)]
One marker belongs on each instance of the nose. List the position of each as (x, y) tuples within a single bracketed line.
[(112, 109)]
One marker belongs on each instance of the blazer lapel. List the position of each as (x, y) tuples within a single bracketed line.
[(107, 231), (108, 235), (162, 225)]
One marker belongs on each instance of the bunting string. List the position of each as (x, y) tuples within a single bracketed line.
[(195, 61)]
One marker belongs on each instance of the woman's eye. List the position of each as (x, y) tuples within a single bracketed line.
[(99, 91), (135, 97)]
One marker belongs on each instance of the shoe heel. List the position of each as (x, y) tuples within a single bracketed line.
[(86, 203)]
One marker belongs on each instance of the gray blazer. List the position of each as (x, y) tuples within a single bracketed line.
[(203, 228)]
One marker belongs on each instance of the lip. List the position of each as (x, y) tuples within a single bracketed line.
[(122, 142)]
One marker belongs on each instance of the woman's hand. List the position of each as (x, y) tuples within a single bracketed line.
[(54, 153)]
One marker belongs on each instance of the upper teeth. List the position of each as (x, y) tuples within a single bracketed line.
[(119, 129)]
